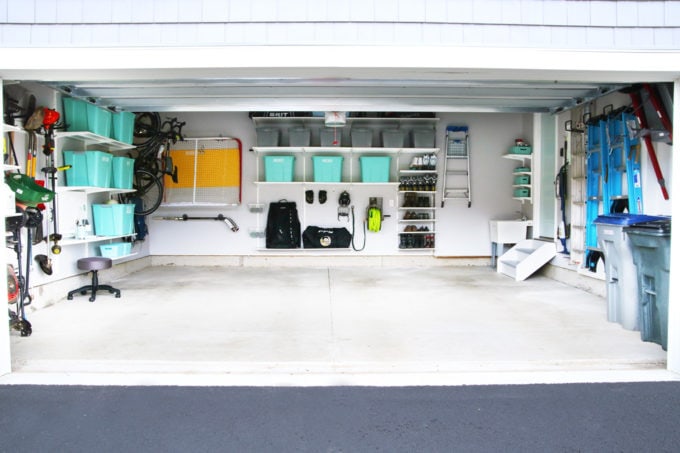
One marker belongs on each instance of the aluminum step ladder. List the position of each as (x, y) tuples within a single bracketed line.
[(660, 109), (624, 163), (456, 180), (596, 190)]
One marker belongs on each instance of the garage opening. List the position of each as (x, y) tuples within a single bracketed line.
[(201, 298)]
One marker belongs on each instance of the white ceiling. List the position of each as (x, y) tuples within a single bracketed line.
[(322, 78), (345, 94)]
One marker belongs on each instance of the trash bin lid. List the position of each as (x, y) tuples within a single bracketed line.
[(653, 228), (625, 219)]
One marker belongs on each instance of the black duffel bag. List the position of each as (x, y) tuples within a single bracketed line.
[(315, 237), (283, 226)]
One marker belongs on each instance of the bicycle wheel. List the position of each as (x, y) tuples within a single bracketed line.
[(149, 189), (147, 127)]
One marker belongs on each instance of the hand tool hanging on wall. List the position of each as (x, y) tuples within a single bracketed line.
[(184, 217), (20, 295), (50, 119), (32, 126), (561, 181), (343, 205)]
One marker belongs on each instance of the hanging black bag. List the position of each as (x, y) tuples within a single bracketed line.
[(283, 225), (315, 237)]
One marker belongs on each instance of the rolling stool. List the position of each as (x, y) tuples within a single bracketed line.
[(94, 264)]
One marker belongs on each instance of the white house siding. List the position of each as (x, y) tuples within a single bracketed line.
[(564, 24)]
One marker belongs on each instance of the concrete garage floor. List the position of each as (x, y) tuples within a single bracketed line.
[(177, 325)]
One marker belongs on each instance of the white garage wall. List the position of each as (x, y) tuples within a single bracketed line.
[(462, 231)]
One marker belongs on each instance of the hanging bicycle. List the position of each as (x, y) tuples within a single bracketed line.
[(153, 139)]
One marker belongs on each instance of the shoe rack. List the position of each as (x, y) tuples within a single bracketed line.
[(417, 208)]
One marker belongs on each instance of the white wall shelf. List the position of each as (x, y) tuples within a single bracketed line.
[(314, 183), (89, 139), (340, 149), (522, 158), (91, 189), (91, 239), (320, 120)]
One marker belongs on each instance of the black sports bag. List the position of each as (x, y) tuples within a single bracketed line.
[(315, 237), (283, 226)]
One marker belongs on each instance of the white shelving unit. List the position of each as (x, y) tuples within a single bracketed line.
[(351, 176), (75, 202), (417, 207), (525, 161)]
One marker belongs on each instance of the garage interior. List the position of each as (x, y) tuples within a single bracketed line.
[(203, 305)]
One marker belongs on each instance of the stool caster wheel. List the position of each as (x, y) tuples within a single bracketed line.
[(117, 295), (83, 292), (69, 297)]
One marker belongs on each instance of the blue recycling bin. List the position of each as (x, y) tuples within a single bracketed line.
[(652, 255), (620, 272)]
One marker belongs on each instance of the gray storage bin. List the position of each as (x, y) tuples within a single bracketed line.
[(299, 136), (423, 137), (361, 137), (331, 136), (267, 136), (393, 138)]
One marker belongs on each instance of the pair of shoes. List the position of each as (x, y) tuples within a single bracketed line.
[(309, 196)]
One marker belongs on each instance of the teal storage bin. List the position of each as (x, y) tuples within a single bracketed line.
[(115, 249), (113, 219), (123, 171), (520, 150), (75, 114), (77, 174), (279, 168), (99, 120), (522, 179), (521, 192), (327, 168), (99, 168), (123, 127), (375, 168)]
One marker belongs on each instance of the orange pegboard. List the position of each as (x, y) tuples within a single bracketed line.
[(204, 164)]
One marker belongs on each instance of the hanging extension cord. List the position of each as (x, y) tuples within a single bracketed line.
[(364, 223)]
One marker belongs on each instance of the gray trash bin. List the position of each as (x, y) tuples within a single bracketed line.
[(621, 275), (652, 255)]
